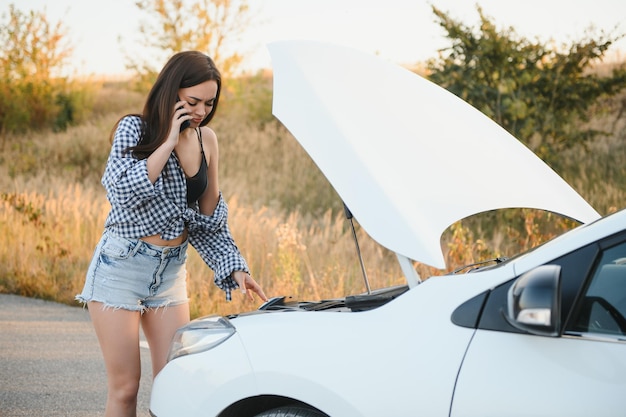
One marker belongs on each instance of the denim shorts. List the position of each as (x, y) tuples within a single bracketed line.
[(131, 274)]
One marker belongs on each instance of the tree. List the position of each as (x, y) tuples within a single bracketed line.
[(210, 26), (541, 94), (32, 57)]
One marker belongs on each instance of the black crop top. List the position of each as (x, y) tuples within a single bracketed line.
[(198, 183)]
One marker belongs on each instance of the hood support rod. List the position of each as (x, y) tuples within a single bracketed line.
[(358, 249)]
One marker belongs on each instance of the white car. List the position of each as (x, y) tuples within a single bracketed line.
[(540, 334)]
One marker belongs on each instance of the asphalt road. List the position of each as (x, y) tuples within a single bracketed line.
[(50, 362)]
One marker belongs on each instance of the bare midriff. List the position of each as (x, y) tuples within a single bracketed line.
[(156, 240)]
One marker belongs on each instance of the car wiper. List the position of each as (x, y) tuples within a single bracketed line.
[(475, 266)]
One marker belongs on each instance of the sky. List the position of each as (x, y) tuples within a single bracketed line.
[(401, 31)]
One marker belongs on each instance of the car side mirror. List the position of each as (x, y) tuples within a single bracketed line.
[(534, 301)]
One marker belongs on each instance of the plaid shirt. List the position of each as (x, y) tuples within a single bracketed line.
[(140, 208)]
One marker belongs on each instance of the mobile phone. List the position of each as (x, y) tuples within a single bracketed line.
[(184, 125)]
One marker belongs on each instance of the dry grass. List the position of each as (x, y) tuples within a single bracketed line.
[(50, 238)]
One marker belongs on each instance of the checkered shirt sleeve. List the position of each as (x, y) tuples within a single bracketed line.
[(211, 237)]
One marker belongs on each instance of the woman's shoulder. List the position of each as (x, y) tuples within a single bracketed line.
[(209, 138), (127, 131), (130, 124), (130, 120)]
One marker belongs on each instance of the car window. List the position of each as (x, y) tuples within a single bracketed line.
[(602, 308), (575, 267)]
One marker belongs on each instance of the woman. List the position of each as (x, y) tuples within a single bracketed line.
[(161, 181)]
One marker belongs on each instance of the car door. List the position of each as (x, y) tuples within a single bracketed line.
[(580, 372)]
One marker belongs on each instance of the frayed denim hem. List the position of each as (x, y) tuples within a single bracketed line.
[(140, 307)]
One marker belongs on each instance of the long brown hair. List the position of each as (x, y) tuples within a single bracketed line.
[(183, 70)]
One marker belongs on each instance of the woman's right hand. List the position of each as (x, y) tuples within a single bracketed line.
[(158, 158)]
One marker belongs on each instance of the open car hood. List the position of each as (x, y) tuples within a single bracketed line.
[(407, 157)]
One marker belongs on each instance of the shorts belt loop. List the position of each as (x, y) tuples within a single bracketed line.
[(181, 251), (137, 247)]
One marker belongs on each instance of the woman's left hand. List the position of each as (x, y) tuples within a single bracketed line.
[(247, 284)]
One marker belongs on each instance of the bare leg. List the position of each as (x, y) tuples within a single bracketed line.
[(159, 326), (118, 334)]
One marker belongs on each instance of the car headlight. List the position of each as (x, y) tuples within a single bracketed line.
[(200, 335)]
